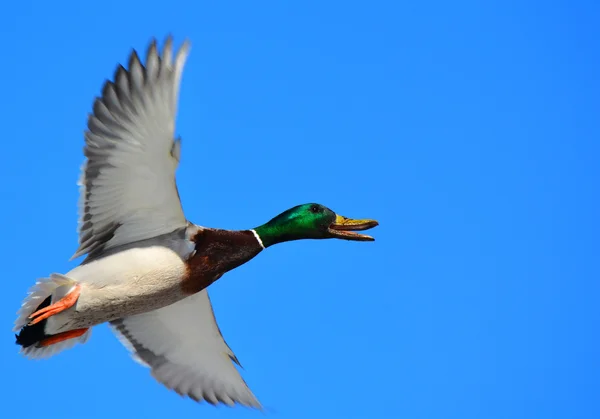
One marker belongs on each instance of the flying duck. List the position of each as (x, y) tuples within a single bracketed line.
[(147, 268)]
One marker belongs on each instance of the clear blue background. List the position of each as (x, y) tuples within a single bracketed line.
[(468, 129)]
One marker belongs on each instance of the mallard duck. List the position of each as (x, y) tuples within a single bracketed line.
[(147, 268)]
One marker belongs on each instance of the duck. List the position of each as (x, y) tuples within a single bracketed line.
[(146, 269)]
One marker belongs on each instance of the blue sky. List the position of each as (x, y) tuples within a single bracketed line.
[(468, 129)]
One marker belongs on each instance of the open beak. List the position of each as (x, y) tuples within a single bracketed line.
[(344, 228)]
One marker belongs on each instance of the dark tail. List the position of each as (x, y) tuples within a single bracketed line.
[(30, 335)]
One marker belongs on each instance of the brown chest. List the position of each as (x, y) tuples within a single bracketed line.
[(217, 252)]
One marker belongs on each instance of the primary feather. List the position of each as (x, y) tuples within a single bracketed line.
[(128, 191)]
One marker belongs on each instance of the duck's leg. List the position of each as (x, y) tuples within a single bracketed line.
[(59, 337), (63, 304)]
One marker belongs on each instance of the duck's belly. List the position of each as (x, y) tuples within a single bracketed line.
[(130, 282)]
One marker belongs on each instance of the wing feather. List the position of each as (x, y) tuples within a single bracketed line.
[(127, 187), (184, 348)]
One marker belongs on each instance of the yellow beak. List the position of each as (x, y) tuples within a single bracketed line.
[(343, 228)]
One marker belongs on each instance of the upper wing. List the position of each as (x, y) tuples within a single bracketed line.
[(183, 346), (127, 188)]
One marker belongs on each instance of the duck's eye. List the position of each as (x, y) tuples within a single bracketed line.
[(314, 209)]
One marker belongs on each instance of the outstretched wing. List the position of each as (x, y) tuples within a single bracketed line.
[(127, 187), (183, 346)]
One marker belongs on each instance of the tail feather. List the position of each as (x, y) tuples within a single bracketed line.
[(57, 286), (45, 292), (30, 335)]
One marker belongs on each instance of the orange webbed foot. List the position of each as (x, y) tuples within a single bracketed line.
[(63, 304), (59, 337)]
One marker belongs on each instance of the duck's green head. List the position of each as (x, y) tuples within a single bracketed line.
[(312, 221)]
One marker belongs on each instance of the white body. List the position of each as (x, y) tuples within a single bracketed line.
[(120, 285)]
